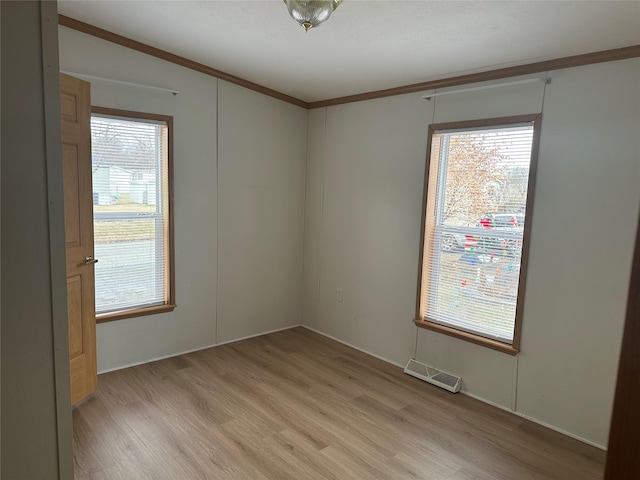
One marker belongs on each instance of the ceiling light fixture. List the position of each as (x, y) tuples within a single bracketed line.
[(311, 13)]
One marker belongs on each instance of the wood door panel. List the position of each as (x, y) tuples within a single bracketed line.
[(75, 104), (83, 378), (68, 107), (74, 305), (82, 333), (71, 195)]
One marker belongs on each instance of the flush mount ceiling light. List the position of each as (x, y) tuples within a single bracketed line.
[(311, 13)]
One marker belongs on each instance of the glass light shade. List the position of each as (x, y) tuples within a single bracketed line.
[(311, 13)]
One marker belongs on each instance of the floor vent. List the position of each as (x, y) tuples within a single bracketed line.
[(433, 375)]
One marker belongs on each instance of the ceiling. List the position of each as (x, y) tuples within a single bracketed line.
[(366, 45)]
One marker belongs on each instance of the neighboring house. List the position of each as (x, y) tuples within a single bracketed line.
[(110, 181), (143, 188)]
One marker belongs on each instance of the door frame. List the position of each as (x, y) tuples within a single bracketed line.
[(57, 241)]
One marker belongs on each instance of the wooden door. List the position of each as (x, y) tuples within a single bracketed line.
[(75, 104)]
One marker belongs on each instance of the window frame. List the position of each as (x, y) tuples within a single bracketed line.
[(534, 119), (170, 302)]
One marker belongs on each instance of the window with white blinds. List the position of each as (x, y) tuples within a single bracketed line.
[(475, 221), (131, 176)]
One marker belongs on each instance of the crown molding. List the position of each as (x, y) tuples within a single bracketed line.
[(526, 69), (177, 59)]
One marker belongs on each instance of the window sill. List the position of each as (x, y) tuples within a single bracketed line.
[(134, 312), (469, 337)]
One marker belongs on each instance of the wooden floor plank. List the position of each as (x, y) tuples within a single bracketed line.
[(297, 405)]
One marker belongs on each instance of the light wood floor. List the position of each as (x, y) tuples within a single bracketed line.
[(296, 405)]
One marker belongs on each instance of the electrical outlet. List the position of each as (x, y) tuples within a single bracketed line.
[(339, 295)]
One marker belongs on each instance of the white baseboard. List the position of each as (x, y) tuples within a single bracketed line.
[(352, 346), (464, 392), (534, 420), (205, 347)]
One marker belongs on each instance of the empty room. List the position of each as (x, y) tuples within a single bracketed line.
[(330, 240)]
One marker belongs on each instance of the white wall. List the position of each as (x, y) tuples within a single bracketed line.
[(364, 184), (584, 225), (36, 407), (261, 212), (364, 192), (222, 204)]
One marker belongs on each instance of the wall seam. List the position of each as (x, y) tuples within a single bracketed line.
[(319, 257), (433, 120), (217, 207), (304, 220), (516, 374)]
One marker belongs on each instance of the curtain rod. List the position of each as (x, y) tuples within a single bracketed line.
[(122, 82), (485, 87)]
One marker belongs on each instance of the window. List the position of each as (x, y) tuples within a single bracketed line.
[(477, 206), (132, 212)]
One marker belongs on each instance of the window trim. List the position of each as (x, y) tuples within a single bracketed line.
[(170, 299), (514, 347)]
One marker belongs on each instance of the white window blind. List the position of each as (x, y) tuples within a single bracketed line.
[(129, 160), (475, 219)]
